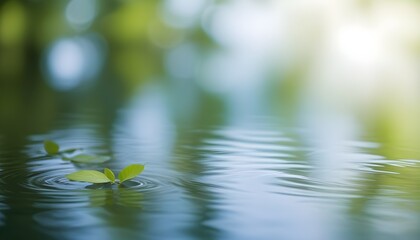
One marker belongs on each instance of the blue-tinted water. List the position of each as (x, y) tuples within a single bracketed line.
[(259, 179)]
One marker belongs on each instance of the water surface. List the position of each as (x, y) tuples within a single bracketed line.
[(221, 179)]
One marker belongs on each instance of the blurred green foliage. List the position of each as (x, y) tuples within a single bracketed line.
[(135, 37)]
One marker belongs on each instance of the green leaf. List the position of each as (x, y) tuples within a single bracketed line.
[(65, 158), (70, 150), (51, 147), (109, 174), (84, 158), (130, 172), (90, 176)]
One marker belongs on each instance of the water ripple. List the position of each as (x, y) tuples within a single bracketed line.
[(211, 176), (43, 180), (232, 161)]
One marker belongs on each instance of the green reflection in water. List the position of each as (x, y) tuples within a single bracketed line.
[(215, 181)]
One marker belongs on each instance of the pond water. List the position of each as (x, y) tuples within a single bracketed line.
[(252, 178), (269, 120)]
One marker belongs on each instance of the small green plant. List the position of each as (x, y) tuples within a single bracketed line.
[(93, 176), (85, 158), (52, 148)]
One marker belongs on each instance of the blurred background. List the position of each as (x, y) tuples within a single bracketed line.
[(336, 73), (352, 61)]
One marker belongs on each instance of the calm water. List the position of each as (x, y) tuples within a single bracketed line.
[(251, 177), (261, 120)]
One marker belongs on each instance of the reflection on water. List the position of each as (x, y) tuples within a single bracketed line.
[(255, 119), (263, 180)]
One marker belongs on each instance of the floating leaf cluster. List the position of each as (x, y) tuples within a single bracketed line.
[(52, 148), (92, 176)]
